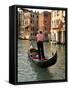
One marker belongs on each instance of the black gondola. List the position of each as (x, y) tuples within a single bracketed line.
[(43, 62)]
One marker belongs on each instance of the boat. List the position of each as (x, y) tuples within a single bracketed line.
[(46, 62)]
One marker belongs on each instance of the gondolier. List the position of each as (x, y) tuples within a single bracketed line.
[(40, 39)]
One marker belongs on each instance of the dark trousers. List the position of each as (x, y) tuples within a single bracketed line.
[(40, 49)]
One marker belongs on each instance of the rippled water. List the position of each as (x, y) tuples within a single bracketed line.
[(28, 71)]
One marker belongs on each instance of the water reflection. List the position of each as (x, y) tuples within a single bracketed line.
[(28, 71)]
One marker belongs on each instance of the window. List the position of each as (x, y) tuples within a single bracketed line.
[(57, 13), (31, 15), (46, 14), (33, 28), (37, 21), (31, 34), (45, 28), (30, 21), (57, 22), (62, 12)]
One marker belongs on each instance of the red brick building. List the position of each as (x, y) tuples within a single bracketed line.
[(45, 23)]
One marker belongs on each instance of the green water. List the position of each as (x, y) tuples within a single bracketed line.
[(28, 71)]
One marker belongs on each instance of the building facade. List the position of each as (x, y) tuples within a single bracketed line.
[(41, 22), (24, 24), (34, 24), (28, 24), (45, 23), (58, 26)]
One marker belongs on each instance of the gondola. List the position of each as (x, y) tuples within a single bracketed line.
[(46, 62)]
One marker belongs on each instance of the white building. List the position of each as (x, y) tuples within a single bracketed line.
[(58, 26)]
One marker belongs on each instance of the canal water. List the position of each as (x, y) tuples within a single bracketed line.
[(28, 71)]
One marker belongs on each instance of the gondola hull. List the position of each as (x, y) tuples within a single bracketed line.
[(44, 63)]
